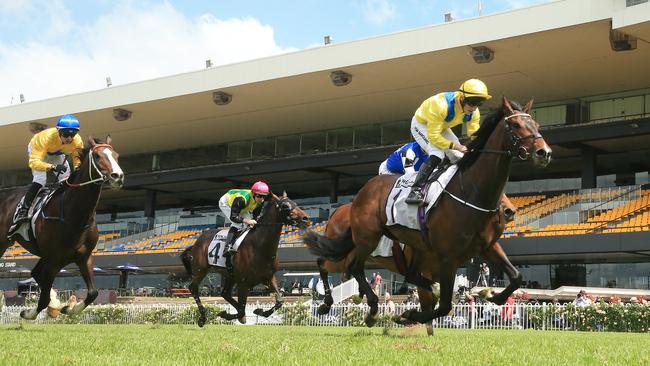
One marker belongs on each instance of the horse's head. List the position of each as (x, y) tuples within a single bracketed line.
[(290, 212), (527, 142), (104, 162)]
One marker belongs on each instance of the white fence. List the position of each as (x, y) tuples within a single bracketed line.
[(463, 316)]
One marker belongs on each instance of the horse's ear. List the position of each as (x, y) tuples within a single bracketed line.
[(91, 141), (528, 106), (109, 140), (275, 197), (284, 194), (507, 106)]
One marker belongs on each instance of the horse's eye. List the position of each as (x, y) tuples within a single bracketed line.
[(516, 125)]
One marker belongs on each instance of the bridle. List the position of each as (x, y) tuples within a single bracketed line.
[(92, 166), (291, 206), (516, 149)]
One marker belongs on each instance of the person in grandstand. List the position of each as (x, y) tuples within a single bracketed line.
[(406, 159), (241, 206), (431, 128), (47, 152)]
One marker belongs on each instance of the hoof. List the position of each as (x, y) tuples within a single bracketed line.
[(242, 320), (201, 321), (30, 314), (65, 310), (370, 320), (259, 312), (323, 309), (223, 314), (429, 329)]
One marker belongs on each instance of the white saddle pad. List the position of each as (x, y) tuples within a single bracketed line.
[(385, 248), (400, 213), (217, 246)]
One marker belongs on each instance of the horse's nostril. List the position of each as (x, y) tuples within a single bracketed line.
[(116, 176), (541, 153)]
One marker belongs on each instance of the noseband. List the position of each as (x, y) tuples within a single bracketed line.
[(92, 166)]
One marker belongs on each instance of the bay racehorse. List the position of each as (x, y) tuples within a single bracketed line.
[(410, 263), (65, 230), (463, 210), (255, 262)]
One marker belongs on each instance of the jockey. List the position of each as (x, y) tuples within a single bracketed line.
[(240, 206), (406, 159), (431, 127), (47, 151)]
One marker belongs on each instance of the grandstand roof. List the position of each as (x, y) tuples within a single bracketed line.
[(554, 51)]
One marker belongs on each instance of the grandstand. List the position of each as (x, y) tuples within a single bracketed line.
[(582, 221)]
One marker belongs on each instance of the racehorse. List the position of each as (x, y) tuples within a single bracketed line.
[(255, 262), (463, 210), (65, 230), (409, 263)]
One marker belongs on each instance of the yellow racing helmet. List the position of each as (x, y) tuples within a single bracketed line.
[(474, 88)]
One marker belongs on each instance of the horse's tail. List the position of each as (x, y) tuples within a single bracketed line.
[(334, 249), (187, 260)]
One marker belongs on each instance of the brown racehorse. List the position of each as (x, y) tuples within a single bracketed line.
[(339, 223), (462, 212), (255, 262), (66, 231)]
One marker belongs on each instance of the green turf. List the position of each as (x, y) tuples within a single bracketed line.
[(33, 344)]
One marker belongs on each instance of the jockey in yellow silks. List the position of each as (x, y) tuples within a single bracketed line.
[(241, 206), (47, 151), (431, 127)]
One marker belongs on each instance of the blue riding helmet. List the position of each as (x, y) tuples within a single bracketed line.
[(68, 121)]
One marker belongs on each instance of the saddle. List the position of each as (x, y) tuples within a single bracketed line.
[(25, 230)]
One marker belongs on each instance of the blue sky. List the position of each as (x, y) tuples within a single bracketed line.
[(74, 45)]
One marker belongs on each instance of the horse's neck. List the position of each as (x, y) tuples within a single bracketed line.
[(269, 231), (81, 202), (488, 175)]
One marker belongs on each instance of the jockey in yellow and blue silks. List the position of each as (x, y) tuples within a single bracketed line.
[(47, 151), (241, 206), (408, 158), (431, 127)]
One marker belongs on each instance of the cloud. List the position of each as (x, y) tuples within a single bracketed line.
[(379, 12), (128, 44), (14, 6)]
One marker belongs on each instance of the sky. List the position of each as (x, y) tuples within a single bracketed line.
[(51, 48)]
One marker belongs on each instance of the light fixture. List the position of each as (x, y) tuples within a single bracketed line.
[(22, 98), (221, 98), (340, 78), (208, 64), (109, 82), (620, 41), (449, 18), (482, 54), (120, 114), (327, 40)]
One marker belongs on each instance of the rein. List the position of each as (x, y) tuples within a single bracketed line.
[(102, 178)]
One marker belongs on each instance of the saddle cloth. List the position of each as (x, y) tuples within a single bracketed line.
[(217, 246), (27, 229), (384, 248), (399, 212)]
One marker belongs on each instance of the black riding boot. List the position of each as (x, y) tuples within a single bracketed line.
[(230, 242), (416, 197), (26, 203)]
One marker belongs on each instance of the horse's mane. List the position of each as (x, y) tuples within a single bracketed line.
[(483, 134)]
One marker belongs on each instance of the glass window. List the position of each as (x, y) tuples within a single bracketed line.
[(313, 143), (340, 139), (548, 116), (396, 133), (239, 150), (264, 148), (366, 136), (287, 145)]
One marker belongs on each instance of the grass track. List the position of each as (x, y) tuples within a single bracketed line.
[(33, 344)]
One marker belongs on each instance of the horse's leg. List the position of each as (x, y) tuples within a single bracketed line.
[(226, 293), (197, 277), (357, 270), (495, 254), (427, 303), (242, 295), (325, 307), (273, 284), (85, 265), (44, 273), (447, 276)]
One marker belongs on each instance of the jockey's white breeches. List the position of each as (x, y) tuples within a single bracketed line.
[(419, 133)]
